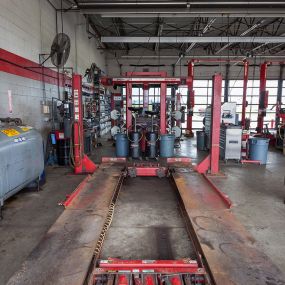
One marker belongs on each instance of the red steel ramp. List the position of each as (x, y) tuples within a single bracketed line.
[(228, 249), (64, 254)]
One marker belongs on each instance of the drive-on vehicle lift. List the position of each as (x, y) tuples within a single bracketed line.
[(118, 230)]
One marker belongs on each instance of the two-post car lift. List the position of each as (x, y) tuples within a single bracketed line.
[(225, 253)]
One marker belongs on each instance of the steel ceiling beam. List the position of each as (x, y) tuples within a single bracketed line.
[(182, 3), (205, 30), (192, 45), (249, 30), (95, 33), (207, 39), (197, 56), (158, 33), (160, 11)]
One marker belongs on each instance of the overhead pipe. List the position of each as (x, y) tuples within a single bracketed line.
[(241, 57), (207, 39), (181, 3)]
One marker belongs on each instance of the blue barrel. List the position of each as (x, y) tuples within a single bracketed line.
[(167, 145), (258, 149), (122, 145), (201, 140)]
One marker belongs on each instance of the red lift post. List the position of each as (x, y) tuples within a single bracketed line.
[(211, 162), (244, 92), (190, 99), (82, 163), (263, 98)]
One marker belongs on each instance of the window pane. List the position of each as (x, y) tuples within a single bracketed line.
[(200, 83)]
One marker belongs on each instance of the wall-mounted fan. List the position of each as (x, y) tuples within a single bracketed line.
[(59, 51)]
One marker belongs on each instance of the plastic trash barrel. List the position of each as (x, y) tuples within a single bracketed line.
[(167, 145), (122, 145), (201, 140), (258, 149)]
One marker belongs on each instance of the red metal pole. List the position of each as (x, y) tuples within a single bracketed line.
[(263, 98), (211, 162), (82, 164), (190, 98), (216, 123), (78, 151), (163, 88), (244, 93), (128, 104)]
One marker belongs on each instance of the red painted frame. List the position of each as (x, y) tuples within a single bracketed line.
[(74, 194), (190, 99), (156, 266), (20, 66), (244, 92), (144, 78), (211, 162), (147, 169), (82, 163)]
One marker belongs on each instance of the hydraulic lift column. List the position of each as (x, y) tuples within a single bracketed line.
[(190, 99), (244, 92), (211, 162), (82, 164), (263, 98)]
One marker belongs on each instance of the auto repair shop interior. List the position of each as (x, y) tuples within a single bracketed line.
[(142, 142)]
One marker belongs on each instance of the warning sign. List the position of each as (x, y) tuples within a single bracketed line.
[(10, 132)]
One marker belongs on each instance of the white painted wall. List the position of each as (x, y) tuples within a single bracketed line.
[(27, 28)]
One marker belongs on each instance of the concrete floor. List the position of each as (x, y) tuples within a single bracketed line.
[(256, 191), (28, 216), (147, 223)]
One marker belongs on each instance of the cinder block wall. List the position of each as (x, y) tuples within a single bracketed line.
[(27, 28)]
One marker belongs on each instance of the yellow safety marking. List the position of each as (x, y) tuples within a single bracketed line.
[(10, 132), (25, 128)]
